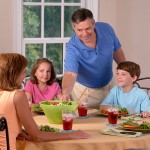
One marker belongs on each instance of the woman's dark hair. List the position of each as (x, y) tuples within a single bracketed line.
[(33, 78), (131, 67), (81, 15)]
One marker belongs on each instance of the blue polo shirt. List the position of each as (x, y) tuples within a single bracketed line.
[(93, 66)]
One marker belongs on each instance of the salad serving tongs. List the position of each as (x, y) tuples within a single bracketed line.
[(85, 95)]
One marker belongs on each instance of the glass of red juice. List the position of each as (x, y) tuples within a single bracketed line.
[(67, 120), (113, 115), (82, 108)]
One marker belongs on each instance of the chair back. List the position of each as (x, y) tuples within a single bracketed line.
[(144, 83), (3, 126)]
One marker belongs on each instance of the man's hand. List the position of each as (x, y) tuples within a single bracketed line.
[(65, 97), (68, 81)]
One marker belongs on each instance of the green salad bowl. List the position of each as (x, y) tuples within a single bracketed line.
[(54, 112)]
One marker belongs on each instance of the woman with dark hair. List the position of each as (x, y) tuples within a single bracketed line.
[(15, 108)]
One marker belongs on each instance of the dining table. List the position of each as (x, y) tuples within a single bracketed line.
[(93, 123)]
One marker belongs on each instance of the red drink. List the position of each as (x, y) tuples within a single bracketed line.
[(67, 125), (67, 119), (112, 116), (82, 111)]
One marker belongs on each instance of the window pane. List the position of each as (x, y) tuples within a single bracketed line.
[(52, 20), (33, 52), (31, 0), (32, 21), (68, 31), (72, 1), (55, 1), (55, 52)]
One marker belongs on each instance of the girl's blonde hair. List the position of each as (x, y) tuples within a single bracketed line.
[(11, 65)]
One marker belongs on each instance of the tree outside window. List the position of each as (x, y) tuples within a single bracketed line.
[(46, 29)]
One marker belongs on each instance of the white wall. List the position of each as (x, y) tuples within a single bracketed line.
[(130, 19), (133, 26), (6, 26)]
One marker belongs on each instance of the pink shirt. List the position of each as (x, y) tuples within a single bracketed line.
[(38, 95)]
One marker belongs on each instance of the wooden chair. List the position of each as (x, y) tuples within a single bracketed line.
[(144, 83), (3, 126)]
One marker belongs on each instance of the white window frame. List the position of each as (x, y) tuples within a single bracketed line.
[(19, 43)]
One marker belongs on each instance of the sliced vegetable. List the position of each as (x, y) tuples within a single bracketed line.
[(129, 127)]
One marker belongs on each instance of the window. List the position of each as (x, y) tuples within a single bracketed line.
[(44, 27)]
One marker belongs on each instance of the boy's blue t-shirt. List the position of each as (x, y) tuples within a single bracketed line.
[(136, 99)]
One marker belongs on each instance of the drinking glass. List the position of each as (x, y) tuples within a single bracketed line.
[(82, 108), (67, 119), (113, 115)]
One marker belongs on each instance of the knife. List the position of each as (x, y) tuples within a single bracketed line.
[(130, 133)]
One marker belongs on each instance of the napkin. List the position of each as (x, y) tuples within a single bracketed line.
[(112, 131), (137, 118)]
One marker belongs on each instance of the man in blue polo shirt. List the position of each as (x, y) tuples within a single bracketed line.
[(89, 58)]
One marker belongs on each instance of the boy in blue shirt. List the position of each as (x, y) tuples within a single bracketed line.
[(125, 94)]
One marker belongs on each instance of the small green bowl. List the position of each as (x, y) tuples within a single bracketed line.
[(54, 112)]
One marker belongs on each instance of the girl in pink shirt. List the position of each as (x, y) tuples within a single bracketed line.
[(42, 85)]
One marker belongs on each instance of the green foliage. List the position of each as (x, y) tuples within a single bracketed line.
[(33, 52), (54, 52), (52, 28), (52, 21), (31, 21), (68, 31)]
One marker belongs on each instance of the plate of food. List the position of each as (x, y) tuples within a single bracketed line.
[(44, 128), (37, 109), (122, 112), (133, 125), (47, 128)]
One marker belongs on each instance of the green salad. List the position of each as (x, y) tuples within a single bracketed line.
[(133, 124), (61, 103), (47, 128), (37, 108)]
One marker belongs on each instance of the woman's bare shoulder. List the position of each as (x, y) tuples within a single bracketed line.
[(19, 95)]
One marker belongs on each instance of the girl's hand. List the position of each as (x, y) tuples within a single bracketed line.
[(145, 114)]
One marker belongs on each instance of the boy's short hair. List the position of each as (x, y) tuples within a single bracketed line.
[(131, 67)]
